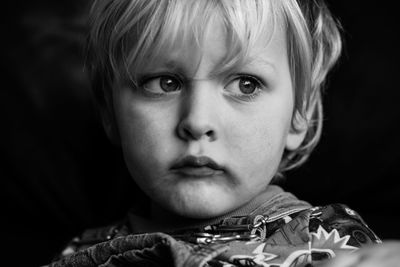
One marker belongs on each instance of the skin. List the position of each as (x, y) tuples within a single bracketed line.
[(209, 116)]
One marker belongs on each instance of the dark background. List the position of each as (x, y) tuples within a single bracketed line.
[(59, 174)]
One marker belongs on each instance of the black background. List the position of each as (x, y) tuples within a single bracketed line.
[(59, 174)]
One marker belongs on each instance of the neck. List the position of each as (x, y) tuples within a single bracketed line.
[(166, 220)]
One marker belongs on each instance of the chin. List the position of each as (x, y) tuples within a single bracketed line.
[(204, 207), (197, 199)]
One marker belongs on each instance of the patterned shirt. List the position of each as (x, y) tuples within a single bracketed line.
[(276, 229)]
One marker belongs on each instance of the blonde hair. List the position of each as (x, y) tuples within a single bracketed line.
[(125, 34)]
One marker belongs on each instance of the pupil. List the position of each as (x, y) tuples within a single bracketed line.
[(247, 86), (168, 84)]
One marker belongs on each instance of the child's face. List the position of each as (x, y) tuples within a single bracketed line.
[(239, 120)]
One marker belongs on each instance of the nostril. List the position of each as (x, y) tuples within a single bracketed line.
[(189, 132), (210, 133)]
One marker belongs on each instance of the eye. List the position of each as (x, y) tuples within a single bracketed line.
[(244, 86), (161, 84), (247, 85), (169, 84)]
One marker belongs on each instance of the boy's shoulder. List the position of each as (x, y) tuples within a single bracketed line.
[(316, 233), (341, 220), (338, 225), (93, 236), (311, 236)]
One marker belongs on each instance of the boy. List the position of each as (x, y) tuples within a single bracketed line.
[(211, 101)]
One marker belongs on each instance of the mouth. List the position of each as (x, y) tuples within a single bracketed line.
[(197, 167)]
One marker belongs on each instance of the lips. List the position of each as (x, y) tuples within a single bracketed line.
[(197, 167)]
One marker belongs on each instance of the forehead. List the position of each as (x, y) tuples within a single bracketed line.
[(212, 56), (242, 28)]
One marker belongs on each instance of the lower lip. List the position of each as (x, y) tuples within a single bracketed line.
[(198, 171)]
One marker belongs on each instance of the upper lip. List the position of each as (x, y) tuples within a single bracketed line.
[(193, 161)]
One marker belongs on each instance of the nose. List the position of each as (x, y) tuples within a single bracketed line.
[(198, 118)]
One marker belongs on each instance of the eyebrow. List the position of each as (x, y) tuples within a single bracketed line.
[(177, 66), (172, 64), (262, 61), (249, 64)]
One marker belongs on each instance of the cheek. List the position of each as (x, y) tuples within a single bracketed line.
[(146, 133), (258, 135), (256, 142)]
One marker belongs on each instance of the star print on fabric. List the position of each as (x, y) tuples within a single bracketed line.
[(324, 241)]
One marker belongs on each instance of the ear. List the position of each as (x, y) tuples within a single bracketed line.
[(297, 133), (110, 126)]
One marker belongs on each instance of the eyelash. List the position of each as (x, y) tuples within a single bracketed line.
[(147, 78), (249, 97), (245, 97)]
